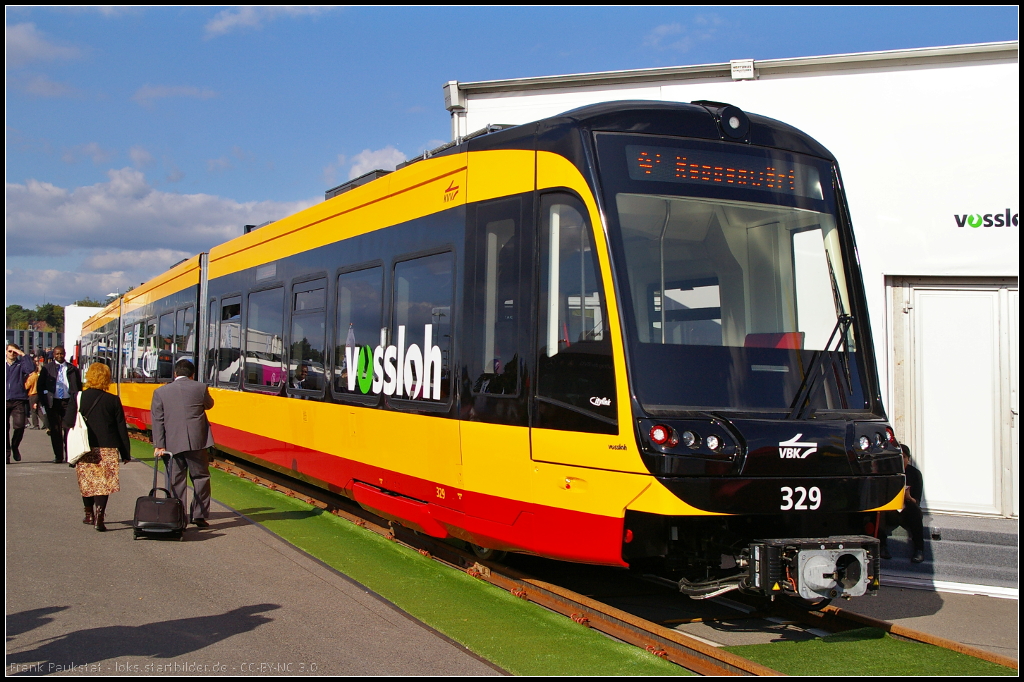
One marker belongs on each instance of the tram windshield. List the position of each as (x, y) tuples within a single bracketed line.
[(738, 296)]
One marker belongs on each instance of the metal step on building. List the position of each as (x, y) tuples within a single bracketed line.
[(972, 555)]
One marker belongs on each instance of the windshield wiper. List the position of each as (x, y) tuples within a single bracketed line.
[(801, 406)]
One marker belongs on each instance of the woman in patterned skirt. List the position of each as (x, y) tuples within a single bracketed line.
[(108, 435)]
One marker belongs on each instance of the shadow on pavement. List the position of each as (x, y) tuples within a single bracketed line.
[(26, 621), (166, 639)]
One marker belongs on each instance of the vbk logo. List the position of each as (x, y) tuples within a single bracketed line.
[(794, 449), (1004, 219)]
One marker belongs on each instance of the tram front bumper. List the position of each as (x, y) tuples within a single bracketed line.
[(815, 568)]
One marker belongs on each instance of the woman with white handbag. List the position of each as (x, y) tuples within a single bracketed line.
[(97, 469)]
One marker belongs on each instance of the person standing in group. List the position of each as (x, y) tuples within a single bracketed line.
[(32, 388), (61, 382), (181, 430), (19, 368), (36, 405), (97, 471)]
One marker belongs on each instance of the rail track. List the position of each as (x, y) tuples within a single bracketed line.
[(657, 638)]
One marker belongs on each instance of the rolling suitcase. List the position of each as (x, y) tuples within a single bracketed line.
[(159, 516)]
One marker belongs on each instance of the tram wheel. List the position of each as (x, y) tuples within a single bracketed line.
[(485, 554)]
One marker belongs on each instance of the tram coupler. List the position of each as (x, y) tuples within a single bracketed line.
[(814, 568)]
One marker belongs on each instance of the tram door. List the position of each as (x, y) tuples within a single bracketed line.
[(574, 406), (494, 424)]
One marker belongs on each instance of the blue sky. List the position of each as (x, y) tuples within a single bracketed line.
[(139, 136)]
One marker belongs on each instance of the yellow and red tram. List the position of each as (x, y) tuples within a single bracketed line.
[(633, 335)]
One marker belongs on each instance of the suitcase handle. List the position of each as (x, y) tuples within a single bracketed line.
[(168, 465)]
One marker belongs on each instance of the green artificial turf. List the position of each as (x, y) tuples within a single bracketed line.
[(516, 635), (865, 651)]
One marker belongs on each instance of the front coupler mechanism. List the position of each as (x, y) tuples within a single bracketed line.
[(813, 568)]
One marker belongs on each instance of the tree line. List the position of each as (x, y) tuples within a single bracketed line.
[(48, 317)]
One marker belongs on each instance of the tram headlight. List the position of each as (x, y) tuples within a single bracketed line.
[(864, 442), (878, 440), (713, 442), (690, 439)]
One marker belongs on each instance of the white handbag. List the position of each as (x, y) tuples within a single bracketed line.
[(78, 438)]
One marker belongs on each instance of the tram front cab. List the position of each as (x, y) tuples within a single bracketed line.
[(750, 361)]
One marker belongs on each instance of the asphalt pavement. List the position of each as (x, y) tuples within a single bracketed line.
[(231, 599)]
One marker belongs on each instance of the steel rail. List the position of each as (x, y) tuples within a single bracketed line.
[(660, 641)]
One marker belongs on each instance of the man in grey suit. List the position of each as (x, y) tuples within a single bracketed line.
[(181, 430)]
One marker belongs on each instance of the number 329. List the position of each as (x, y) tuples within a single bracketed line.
[(803, 495)]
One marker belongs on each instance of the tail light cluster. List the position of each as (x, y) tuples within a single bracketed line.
[(688, 438), (874, 439)]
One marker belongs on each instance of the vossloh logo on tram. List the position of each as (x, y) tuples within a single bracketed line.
[(396, 370), (1000, 219)]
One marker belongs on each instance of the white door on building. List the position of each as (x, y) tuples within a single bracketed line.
[(955, 355)]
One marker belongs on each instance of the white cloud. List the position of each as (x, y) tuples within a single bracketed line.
[(331, 171), (679, 37), (114, 234), (140, 156), (241, 18), (43, 219), (42, 86), (93, 150), (113, 260), (30, 287), (24, 44), (367, 160), (148, 94), (218, 165)]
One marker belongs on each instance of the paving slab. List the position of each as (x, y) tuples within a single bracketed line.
[(232, 599)]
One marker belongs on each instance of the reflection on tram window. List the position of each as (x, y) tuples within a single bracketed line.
[(359, 320), (307, 354), (746, 292), (184, 338), (494, 362), (575, 371), (229, 354), (128, 346), (734, 274), (149, 343), (423, 310), (165, 348), (264, 342), (211, 343)]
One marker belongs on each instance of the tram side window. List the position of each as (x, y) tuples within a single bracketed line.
[(109, 353), (575, 372), (264, 338), (128, 348), (360, 318), (229, 352), (494, 360), (185, 334), (148, 345), (165, 348), (211, 343), (308, 351), (423, 316)]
